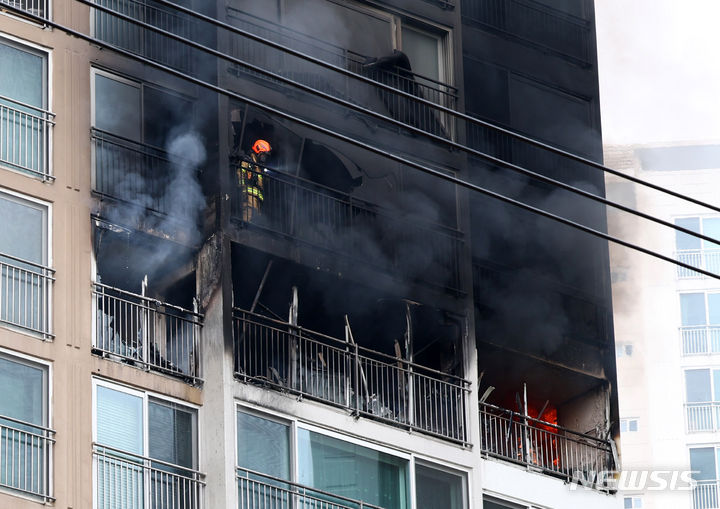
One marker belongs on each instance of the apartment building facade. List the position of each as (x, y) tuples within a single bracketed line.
[(355, 327), (665, 321)]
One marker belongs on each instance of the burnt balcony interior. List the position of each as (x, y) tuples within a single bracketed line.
[(343, 201), (144, 302), (341, 341), (543, 415)]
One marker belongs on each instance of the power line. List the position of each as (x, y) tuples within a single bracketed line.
[(422, 100), (378, 115), (439, 174)]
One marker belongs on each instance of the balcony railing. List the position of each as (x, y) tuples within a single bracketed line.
[(343, 374), (700, 339), (550, 448), (702, 417), (257, 490), (706, 259), (404, 109), (337, 222), (147, 333), (36, 7), (706, 494), (136, 39), (535, 23), (25, 137), (134, 172), (25, 295), (26, 458), (135, 482)]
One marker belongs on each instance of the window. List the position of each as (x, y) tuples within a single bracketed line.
[(439, 488), (24, 432), (632, 502), (700, 322), (24, 253), (702, 398), (342, 471), (628, 425), (704, 463), (623, 350), (133, 123), (696, 252), (145, 450), (24, 119), (496, 503)]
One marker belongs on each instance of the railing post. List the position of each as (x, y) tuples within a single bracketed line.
[(357, 379)]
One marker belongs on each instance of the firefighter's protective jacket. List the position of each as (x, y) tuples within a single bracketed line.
[(250, 179)]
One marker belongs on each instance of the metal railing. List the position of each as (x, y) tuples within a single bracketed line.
[(25, 295), (134, 38), (382, 238), (25, 137), (705, 259), (36, 7), (404, 109), (700, 339), (145, 332), (257, 490), (552, 449), (341, 373), (133, 172), (535, 23), (26, 458), (703, 416), (705, 494), (130, 481)]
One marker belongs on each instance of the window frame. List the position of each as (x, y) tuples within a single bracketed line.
[(46, 207), (48, 404), (705, 294), (295, 424), (716, 450), (46, 54), (626, 421), (141, 85), (714, 392), (146, 397)]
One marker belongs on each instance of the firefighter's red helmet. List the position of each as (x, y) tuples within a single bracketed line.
[(261, 146)]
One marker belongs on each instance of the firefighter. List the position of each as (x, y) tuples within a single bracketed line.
[(250, 179)]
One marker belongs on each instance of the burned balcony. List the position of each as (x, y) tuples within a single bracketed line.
[(132, 172), (542, 445), (388, 67), (344, 374), (149, 321), (386, 239), (350, 346), (134, 38), (536, 23)]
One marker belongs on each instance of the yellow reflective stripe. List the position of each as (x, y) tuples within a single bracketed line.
[(254, 191)]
